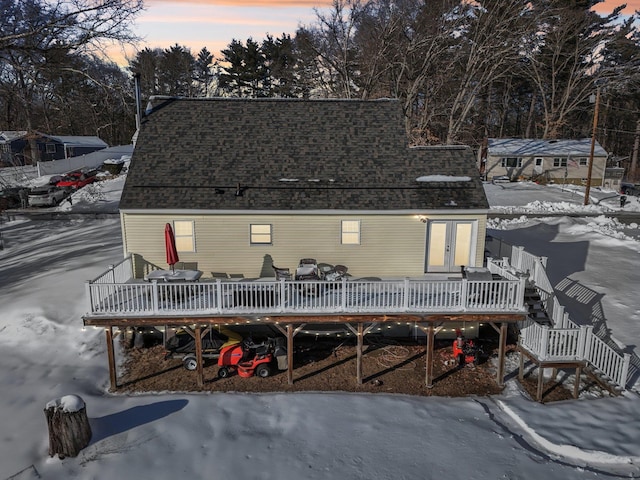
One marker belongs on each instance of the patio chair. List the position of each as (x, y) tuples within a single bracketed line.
[(187, 266), (308, 270), (282, 273)]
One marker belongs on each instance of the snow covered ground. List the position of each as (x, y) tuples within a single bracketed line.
[(46, 354)]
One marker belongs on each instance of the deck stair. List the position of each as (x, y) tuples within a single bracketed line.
[(550, 338), (536, 309)]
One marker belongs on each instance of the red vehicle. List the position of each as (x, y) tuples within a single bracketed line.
[(75, 180), (249, 359)]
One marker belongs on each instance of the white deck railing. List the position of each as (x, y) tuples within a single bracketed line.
[(308, 297), (565, 340)]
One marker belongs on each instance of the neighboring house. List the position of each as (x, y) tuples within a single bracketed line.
[(56, 147), (16, 147), (12, 143), (249, 183), (558, 161), (90, 160)]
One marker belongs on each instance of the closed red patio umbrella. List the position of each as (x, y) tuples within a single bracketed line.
[(170, 246)]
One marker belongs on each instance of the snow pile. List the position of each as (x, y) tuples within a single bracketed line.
[(68, 403), (552, 207), (442, 178)]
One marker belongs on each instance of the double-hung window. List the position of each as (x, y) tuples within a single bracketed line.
[(184, 233), (261, 234), (511, 162), (350, 232), (559, 162)]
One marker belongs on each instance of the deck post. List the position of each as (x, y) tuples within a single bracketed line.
[(290, 354), (112, 358), (407, 290), (502, 348), (521, 369), (154, 296), (219, 295), (199, 368), (626, 361), (540, 382), (360, 336), (430, 347), (576, 384)]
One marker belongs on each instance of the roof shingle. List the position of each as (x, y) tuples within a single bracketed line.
[(291, 155)]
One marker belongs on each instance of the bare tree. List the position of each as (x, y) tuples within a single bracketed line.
[(331, 40), (40, 40), (490, 47), (564, 60)]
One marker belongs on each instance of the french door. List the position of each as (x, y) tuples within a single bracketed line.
[(450, 244)]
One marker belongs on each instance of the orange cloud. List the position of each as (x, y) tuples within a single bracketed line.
[(194, 20), (252, 3), (608, 5)]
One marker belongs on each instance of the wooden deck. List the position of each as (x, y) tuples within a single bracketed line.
[(309, 298)]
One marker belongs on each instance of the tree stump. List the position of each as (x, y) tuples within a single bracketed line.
[(69, 429)]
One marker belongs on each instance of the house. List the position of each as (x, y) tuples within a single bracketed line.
[(253, 184), (250, 183), (558, 161), (16, 148), (12, 143)]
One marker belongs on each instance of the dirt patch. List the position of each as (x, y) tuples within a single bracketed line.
[(387, 367)]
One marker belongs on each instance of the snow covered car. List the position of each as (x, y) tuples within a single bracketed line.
[(46, 196)]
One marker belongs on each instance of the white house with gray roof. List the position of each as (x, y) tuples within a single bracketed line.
[(558, 161)]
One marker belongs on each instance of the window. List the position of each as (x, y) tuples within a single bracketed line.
[(583, 162), (51, 148), (185, 236), (538, 162), (350, 232), (260, 234), (511, 162), (559, 162)]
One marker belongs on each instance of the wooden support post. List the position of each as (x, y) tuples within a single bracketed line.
[(540, 383), (359, 354), (290, 354), (112, 358), (576, 384), (521, 369), (200, 367), (501, 353), (430, 346)]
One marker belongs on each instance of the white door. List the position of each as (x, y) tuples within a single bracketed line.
[(450, 244), (538, 166)]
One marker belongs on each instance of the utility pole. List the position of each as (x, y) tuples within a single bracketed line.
[(593, 146)]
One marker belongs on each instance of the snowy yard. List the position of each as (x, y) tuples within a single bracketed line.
[(593, 263)]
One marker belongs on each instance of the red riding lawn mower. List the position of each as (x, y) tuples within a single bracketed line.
[(249, 358), (465, 351)]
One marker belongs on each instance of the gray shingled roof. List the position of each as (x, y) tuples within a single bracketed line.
[(291, 155)]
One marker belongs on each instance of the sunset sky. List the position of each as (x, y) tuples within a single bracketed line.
[(214, 23)]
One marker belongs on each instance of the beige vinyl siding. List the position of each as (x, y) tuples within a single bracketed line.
[(575, 174), (390, 245)]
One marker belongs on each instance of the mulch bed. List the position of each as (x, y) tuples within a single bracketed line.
[(387, 367)]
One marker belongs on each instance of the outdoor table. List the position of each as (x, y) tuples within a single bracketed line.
[(174, 275), (478, 273)]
